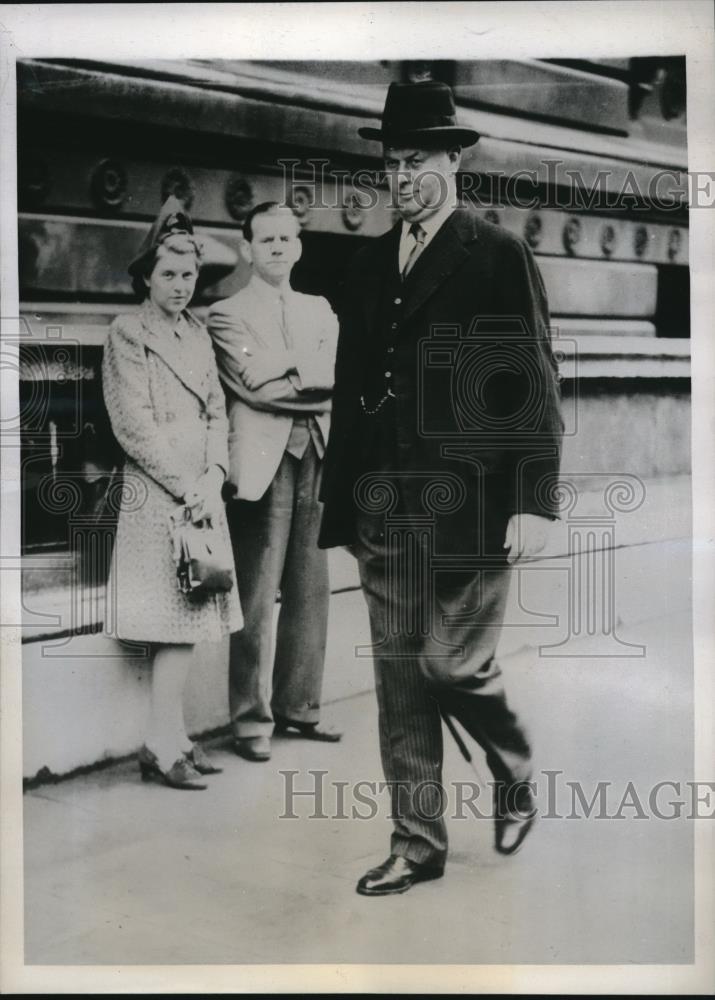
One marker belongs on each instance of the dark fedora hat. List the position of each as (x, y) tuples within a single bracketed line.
[(420, 113), (171, 220)]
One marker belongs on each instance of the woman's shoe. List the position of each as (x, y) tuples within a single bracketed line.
[(148, 764), (201, 761), (181, 774)]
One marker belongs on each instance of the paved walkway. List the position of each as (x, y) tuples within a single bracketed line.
[(120, 872)]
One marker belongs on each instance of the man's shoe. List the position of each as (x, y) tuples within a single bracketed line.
[(254, 747), (308, 730), (201, 761), (395, 875), (511, 831)]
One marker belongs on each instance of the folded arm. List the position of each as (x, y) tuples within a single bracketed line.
[(277, 396), (315, 365), (235, 348)]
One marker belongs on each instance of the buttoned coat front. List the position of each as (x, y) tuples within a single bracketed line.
[(474, 398), (167, 411)]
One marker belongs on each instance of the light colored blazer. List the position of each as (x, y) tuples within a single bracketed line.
[(260, 420)]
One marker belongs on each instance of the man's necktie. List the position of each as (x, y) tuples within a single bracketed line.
[(418, 235), (288, 339), (304, 427)]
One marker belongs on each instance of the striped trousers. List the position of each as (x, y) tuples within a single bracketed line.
[(434, 641)]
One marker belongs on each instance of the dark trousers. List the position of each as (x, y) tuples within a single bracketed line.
[(275, 547), (434, 641)]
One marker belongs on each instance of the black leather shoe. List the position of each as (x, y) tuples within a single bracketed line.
[(307, 730), (256, 748), (511, 831), (395, 875)]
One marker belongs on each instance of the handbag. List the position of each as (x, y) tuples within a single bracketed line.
[(204, 561)]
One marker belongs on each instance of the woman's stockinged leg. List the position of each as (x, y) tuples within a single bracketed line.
[(166, 732)]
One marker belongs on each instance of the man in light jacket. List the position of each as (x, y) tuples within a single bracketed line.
[(275, 350)]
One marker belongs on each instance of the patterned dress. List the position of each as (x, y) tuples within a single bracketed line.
[(167, 411)]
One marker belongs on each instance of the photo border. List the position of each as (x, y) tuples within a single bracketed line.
[(393, 30)]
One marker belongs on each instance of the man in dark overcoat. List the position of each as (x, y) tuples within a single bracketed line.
[(440, 473)]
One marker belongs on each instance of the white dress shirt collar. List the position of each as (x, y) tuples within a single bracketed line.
[(430, 226)]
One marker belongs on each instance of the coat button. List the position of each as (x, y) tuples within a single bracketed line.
[(388, 374), (398, 302), (393, 326), (390, 350)]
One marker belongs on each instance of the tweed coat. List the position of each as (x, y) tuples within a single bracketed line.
[(465, 341), (167, 411)]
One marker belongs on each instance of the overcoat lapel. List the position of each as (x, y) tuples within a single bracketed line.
[(441, 258), (187, 361)]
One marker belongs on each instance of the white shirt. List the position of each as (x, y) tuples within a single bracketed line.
[(430, 225), (272, 296)]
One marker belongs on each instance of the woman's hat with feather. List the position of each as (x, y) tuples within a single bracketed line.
[(172, 220)]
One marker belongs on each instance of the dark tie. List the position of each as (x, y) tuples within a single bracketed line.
[(418, 234)]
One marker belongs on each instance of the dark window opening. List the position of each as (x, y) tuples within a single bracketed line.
[(672, 311)]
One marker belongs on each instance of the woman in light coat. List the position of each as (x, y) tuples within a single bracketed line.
[(167, 411)]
